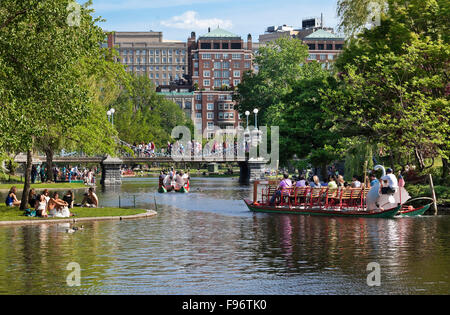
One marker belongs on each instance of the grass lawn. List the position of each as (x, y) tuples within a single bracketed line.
[(14, 214), (19, 186)]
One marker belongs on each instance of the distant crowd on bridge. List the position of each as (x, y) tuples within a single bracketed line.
[(195, 147)]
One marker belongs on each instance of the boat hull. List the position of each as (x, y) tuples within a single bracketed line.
[(414, 212), (389, 213)]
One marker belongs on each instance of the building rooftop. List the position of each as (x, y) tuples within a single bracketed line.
[(322, 34), (220, 33)]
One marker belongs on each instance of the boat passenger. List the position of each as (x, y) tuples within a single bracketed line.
[(11, 199), (332, 183), (373, 179), (179, 180), (341, 182), (301, 182), (355, 182), (282, 189), (316, 182), (390, 183)]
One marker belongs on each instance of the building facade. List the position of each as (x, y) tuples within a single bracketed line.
[(181, 93), (324, 46), (147, 53), (217, 62)]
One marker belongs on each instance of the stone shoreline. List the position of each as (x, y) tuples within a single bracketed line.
[(149, 213)]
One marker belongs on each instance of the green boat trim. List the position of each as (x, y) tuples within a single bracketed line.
[(415, 212), (389, 213)]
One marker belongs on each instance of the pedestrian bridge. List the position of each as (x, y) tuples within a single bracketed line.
[(249, 169)]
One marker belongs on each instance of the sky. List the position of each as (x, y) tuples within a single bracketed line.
[(178, 18)]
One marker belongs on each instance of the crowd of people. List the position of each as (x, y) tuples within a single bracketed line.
[(388, 183), (194, 147), (51, 205), (63, 174)]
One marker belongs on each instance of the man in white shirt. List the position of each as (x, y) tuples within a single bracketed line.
[(390, 182)]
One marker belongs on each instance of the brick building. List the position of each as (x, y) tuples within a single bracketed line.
[(324, 46), (216, 64)]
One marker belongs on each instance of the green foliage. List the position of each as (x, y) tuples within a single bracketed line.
[(142, 115), (393, 83)]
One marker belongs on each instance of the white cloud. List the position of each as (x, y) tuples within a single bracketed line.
[(190, 21)]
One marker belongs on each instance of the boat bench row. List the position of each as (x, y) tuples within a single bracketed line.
[(323, 197)]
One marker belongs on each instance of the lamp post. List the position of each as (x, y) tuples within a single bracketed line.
[(110, 115), (255, 111), (247, 113)]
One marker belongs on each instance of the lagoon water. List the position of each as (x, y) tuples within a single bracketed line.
[(208, 242)]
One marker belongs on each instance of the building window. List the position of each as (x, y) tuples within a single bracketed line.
[(198, 106), (236, 65), (226, 65), (323, 57), (205, 45), (211, 126), (220, 115), (338, 46), (247, 65), (225, 74), (226, 82), (218, 56), (321, 46), (206, 64), (188, 104), (210, 115), (157, 52), (217, 65), (330, 56), (198, 97), (329, 46), (198, 115), (206, 83), (217, 74), (236, 82), (225, 46), (206, 73), (195, 65), (311, 46), (236, 56), (210, 97), (206, 56), (210, 106), (312, 57), (216, 45), (237, 73), (220, 106), (236, 46), (217, 83)]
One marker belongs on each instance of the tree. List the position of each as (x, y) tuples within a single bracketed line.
[(143, 115), (280, 65), (39, 77), (394, 80)]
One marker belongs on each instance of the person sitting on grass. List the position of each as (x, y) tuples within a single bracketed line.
[(11, 199), (41, 206), (90, 199), (58, 207)]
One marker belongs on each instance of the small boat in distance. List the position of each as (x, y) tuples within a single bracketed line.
[(178, 182)]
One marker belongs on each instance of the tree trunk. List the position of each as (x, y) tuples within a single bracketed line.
[(419, 159), (445, 167), (26, 186), (49, 159)]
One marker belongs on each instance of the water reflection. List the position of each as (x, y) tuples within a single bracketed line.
[(207, 242)]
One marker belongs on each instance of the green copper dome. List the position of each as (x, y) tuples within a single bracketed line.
[(220, 33), (322, 34)]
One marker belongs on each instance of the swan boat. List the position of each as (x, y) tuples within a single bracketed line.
[(324, 201)]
